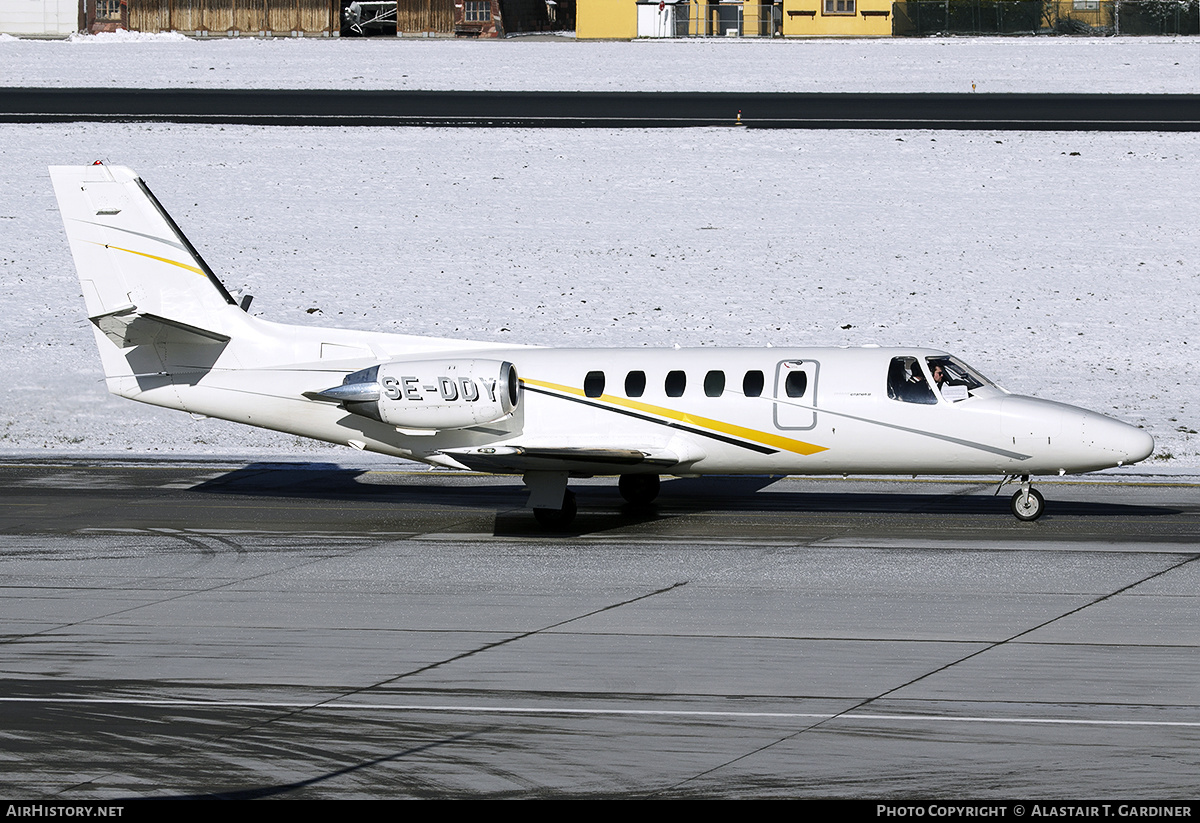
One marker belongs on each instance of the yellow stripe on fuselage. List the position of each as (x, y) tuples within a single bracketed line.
[(156, 257), (766, 438)]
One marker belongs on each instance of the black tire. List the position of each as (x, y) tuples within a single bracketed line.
[(1031, 508), (558, 518), (639, 489)]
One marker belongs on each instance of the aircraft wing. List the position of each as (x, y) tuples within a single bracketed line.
[(520, 459)]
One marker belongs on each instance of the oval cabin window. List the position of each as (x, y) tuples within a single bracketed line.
[(635, 384), (714, 384), (593, 384), (676, 383), (752, 385), (796, 384)]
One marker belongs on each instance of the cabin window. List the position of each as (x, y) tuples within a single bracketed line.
[(796, 384), (752, 384), (593, 384), (635, 384), (714, 384), (676, 383), (907, 383)]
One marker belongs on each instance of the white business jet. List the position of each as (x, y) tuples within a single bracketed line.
[(170, 334)]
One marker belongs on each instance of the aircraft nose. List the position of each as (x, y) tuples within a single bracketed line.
[(1138, 446), (1130, 444)]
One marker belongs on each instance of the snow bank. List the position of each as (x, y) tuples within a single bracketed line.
[(124, 36), (1135, 65)]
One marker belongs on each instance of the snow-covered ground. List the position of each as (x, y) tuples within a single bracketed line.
[(1135, 65), (1063, 265)]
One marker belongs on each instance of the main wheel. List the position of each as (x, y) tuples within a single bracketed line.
[(558, 518), (639, 489), (1028, 506)]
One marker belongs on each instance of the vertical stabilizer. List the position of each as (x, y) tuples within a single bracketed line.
[(130, 255), (161, 315)]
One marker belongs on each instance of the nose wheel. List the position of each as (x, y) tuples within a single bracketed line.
[(1028, 504)]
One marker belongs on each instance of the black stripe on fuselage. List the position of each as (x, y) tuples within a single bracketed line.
[(754, 447)]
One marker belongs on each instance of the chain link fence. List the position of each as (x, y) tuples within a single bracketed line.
[(916, 18), (727, 20)]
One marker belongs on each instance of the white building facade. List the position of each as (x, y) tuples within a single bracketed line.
[(40, 18)]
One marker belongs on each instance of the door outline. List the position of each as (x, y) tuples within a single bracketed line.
[(787, 416)]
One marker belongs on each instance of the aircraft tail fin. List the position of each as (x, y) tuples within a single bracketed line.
[(161, 315), (130, 255)]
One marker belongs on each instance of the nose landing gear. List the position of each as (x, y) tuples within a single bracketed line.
[(1027, 504)]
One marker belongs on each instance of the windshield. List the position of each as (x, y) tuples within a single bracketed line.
[(944, 378), (957, 373), (954, 379)]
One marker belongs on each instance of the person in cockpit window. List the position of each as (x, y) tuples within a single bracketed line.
[(916, 389), (939, 375)]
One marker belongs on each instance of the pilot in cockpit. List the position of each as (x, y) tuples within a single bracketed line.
[(907, 382), (939, 375)]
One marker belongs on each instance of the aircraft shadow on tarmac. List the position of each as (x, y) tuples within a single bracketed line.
[(601, 507)]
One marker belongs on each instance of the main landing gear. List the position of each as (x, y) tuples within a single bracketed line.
[(554, 505), (1027, 504), (639, 489), (559, 518), (552, 502)]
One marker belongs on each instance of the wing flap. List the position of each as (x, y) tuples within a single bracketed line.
[(571, 458)]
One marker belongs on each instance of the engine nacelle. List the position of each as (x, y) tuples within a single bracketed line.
[(431, 394)]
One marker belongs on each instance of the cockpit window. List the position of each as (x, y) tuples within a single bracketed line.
[(955, 379), (908, 383)]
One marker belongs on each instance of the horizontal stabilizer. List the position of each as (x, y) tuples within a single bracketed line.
[(126, 328)]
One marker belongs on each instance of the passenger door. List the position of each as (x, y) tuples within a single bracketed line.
[(796, 394)]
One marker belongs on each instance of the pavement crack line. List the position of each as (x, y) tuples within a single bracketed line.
[(489, 646), (866, 702), (388, 680), (190, 540)]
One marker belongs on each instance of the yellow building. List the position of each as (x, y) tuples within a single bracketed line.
[(810, 18), (606, 19), (628, 19)]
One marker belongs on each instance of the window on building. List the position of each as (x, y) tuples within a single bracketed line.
[(839, 6), (1087, 5), (108, 9), (635, 384), (675, 384), (477, 11), (714, 384), (593, 384), (752, 384)]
